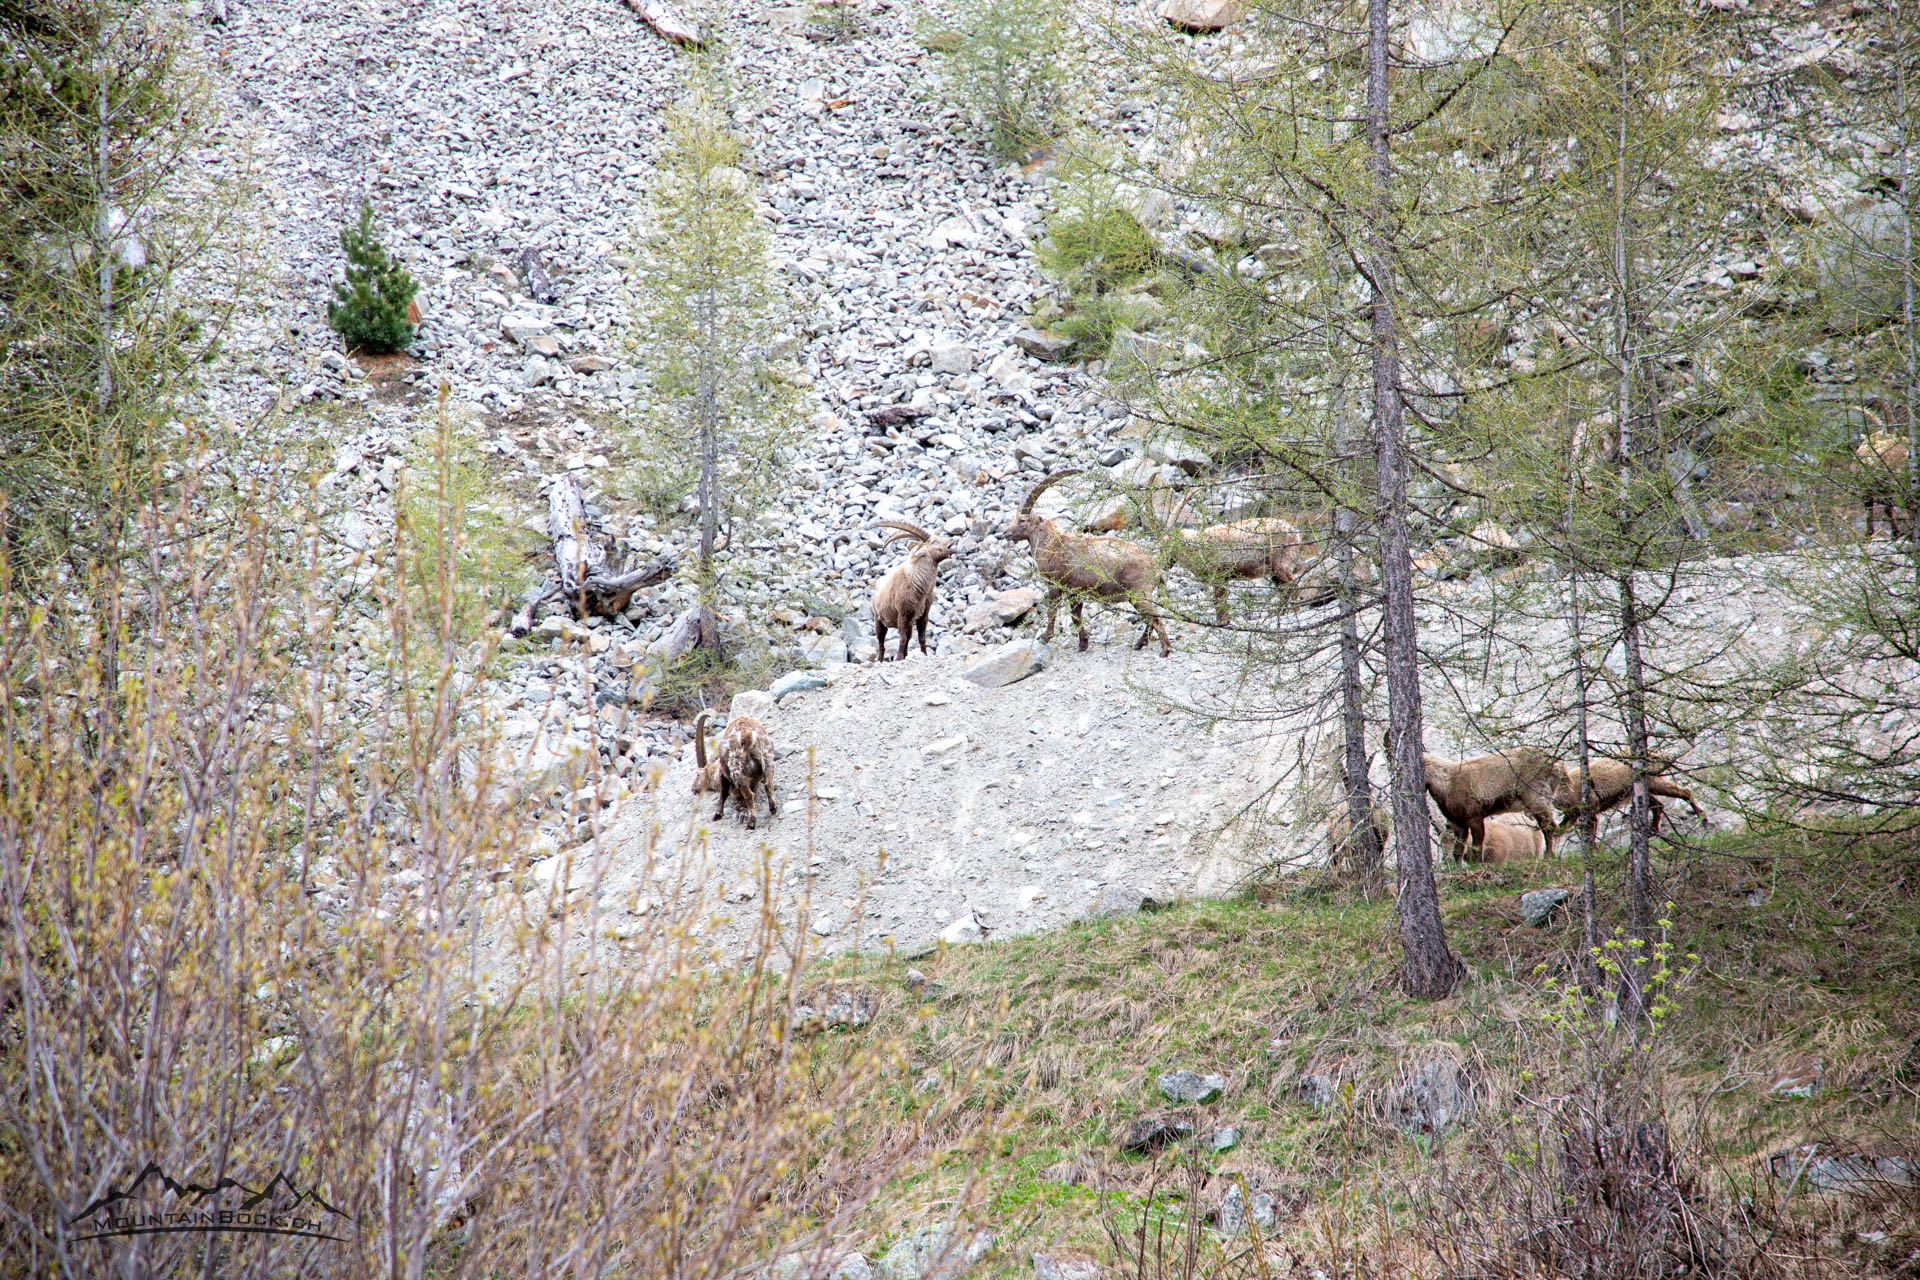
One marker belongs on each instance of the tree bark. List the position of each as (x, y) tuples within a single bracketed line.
[(663, 18), (1428, 969), (582, 577), (1909, 334), (707, 420), (1634, 405), (1640, 810)]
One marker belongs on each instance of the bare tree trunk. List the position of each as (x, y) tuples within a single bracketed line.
[(1640, 811), (1428, 968), (1633, 402), (1589, 811), (707, 412), (1364, 853), (1909, 335)]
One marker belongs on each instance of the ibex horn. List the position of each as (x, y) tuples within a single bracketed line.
[(700, 740), (910, 530), (1041, 488)]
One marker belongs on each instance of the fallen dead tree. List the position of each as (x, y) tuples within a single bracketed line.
[(666, 20), (582, 577)]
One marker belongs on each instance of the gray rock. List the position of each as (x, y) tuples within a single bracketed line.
[(1051, 347), (951, 358), (1012, 605), (1061, 1266), (1853, 1172), (1538, 906), (750, 702), (851, 1266), (1317, 1090), (1151, 1132), (1191, 1087), (796, 682), (522, 328), (678, 638), (1231, 1220), (1189, 457), (968, 928), (1120, 900), (1015, 660), (841, 1008), (813, 1265), (1430, 1097), (933, 1253), (1225, 1139)]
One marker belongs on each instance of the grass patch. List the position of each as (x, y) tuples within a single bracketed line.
[(1809, 952)]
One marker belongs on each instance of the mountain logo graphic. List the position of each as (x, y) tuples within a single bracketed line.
[(278, 1208)]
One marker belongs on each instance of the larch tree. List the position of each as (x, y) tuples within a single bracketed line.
[(1368, 217), (706, 332)]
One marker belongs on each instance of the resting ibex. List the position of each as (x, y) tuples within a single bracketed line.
[(1882, 462), (1473, 790), (904, 597), (1508, 839), (1612, 785), (742, 764), (1085, 567)]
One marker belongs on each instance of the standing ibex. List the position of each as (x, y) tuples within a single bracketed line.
[(1612, 786), (1085, 567), (1265, 547), (1881, 461), (904, 597), (1470, 791), (742, 764)]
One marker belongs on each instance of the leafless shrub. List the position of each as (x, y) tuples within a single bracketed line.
[(261, 923)]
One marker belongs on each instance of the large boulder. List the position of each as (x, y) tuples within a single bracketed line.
[(1004, 664), (1198, 16), (933, 1253), (1430, 1096)]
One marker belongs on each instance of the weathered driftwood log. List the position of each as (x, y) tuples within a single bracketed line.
[(582, 577), (662, 17)]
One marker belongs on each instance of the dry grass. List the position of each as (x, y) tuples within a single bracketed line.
[(1085, 1018)]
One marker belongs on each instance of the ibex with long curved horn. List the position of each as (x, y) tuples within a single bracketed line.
[(1083, 567), (904, 597)]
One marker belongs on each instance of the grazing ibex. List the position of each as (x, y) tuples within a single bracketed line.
[(1473, 790), (1612, 785), (742, 764), (1881, 461), (904, 597), (1085, 567)]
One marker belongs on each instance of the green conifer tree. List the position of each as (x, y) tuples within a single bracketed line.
[(369, 309)]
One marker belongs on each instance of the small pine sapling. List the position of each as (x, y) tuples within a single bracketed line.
[(372, 307)]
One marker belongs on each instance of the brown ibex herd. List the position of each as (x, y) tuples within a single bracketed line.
[(1110, 570), (1528, 780)]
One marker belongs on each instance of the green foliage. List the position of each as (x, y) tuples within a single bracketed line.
[(459, 570), (706, 308), (1099, 254), (369, 310), (1002, 67), (95, 348)]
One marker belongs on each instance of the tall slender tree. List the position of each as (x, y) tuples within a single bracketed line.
[(1307, 162), (1429, 968), (707, 327)]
